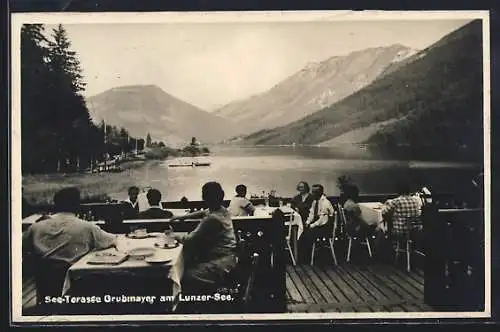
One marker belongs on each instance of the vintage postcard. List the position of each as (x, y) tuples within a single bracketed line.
[(250, 166)]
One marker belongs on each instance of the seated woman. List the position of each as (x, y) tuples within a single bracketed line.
[(355, 225), (302, 202), (209, 250)]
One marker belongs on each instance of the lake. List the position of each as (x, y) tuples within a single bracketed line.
[(280, 168)]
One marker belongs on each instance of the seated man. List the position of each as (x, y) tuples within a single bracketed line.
[(320, 217), (405, 213), (63, 236), (240, 205), (131, 205), (155, 210), (209, 250)]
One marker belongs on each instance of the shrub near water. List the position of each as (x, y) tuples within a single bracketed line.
[(160, 153)]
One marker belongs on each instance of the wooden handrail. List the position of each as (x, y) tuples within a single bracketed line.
[(195, 205)]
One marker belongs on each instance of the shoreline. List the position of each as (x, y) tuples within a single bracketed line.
[(40, 188)]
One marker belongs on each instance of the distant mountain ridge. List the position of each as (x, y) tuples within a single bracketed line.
[(316, 86), (143, 109), (431, 99)]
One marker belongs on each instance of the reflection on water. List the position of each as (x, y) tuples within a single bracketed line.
[(280, 168)]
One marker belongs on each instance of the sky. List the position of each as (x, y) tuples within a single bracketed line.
[(212, 64)]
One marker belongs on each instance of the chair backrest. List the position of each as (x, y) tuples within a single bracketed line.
[(49, 277), (291, 218)]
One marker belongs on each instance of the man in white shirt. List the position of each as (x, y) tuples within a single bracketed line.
[(63, 236), (321, 209), (240, 205), (320, 217)]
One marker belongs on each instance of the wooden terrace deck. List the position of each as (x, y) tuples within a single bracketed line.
[(371, 287)]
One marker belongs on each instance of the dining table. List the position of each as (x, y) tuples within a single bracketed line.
[(371, 212), (172, 268)]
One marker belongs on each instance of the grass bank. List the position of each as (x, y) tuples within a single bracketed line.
[(40, 188)]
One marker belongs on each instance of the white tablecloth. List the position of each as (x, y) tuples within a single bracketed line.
[(173, 269), (296, 219), (371, 212)]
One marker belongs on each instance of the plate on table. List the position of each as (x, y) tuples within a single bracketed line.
[(168, 246), (157, 260), (141, 253), (113, 258), (138, 235)]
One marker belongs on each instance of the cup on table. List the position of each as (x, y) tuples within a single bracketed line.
[(140, 232), (161, 240), (169, 237)]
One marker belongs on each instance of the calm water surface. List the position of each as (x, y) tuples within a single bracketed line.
[(280, 168)]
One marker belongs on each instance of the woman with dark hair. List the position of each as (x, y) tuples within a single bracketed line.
[(302, 202), (209, 250)]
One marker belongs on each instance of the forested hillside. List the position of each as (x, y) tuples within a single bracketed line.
[(435, 99)]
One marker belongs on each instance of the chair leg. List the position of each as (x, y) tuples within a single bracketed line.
[(408, 255), (291, 253), (333, 251), (349, 246), (369, 247), (396, 253), (312, 252)]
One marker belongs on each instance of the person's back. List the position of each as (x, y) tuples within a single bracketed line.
[(209, 250), (405, 210), (406, 207), (353, 212), (65, 237), (219, 239), (240, 205), (155, 211)]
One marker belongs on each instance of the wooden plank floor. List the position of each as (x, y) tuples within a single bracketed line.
[(29, 293), (350, 287)]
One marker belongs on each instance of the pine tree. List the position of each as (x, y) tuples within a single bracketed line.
[(37, 142)]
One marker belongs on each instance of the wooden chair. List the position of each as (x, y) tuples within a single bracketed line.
[(288, 238), (243, 276), (404, 244), (362, 241), (326, 240), (49, 275)]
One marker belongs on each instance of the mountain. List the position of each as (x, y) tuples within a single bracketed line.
[(316, 86), (143, 109), (432, 101)]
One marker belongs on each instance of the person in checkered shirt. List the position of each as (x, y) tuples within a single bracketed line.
[(404, 211)]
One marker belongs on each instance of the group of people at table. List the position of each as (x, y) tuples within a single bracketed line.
[(210, 249)]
